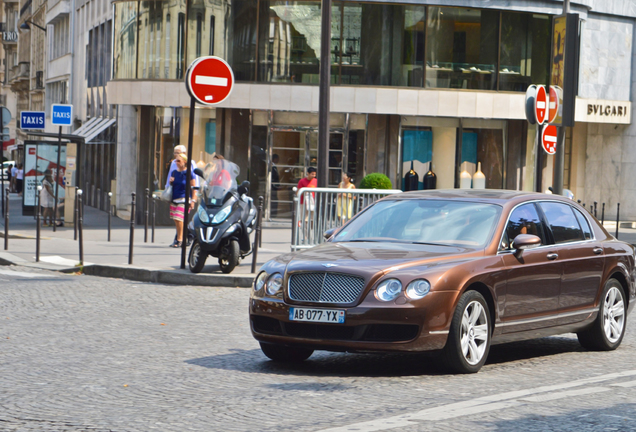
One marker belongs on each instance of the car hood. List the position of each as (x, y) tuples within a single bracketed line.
[(369, 258)]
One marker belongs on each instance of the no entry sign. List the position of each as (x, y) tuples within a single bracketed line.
[(541, 105), (549, 139), (554, 105), (209, 80)]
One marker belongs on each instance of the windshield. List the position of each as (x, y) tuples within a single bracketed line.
[(220, 178), (443, 222)]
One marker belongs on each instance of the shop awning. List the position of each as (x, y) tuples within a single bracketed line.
[(94, 127)]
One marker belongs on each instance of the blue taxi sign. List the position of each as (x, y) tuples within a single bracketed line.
[(61, 115), (32, 120)]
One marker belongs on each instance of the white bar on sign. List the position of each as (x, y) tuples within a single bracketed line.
[(550, 138), (212, 81), (540, 104), (552, 104)]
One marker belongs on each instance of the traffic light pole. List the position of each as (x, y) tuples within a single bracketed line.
[(323, 98)]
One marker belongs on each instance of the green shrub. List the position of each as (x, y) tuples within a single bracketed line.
[(376, 181)]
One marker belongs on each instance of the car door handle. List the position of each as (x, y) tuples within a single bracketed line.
[(597, 250), (552, 256)]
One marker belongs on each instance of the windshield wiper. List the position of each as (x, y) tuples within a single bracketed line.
[(431, 244), (377, 239)]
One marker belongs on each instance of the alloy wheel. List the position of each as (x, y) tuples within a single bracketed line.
[(474, 332), (613, 314)]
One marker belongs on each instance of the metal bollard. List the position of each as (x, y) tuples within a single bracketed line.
[(602, 213), (110, 213), (38, 214), (257, 236), (146, 205), (6, 221), (132, 230), (595, 203), (76, 213), (260, 221), (80, 229), (154, 203), (293, 218), (618, 212)]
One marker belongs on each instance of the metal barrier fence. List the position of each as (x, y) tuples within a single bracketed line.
[(316, 210)]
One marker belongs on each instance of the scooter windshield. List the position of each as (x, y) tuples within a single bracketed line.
[(220, 178)]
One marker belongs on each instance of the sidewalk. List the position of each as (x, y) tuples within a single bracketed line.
[(153, 262)]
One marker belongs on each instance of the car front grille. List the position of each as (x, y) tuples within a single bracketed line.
[(323, 287)]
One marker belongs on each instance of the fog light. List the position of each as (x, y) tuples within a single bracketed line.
[(388, 290), (274, 283), (418, 289)]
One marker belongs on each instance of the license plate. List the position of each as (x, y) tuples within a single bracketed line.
[(333, 316)]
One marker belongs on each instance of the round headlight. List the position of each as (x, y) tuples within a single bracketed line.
[(388, 290), (260, 281), (418, 289), (274, 283)]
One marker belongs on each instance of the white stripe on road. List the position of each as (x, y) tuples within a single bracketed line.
[(24, 275), (480, 405), (560, 395), (625, 384), (211, 81)]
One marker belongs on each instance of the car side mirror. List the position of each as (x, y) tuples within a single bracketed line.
[(525, 241), (329, 233), (244, 188), (198, 172)]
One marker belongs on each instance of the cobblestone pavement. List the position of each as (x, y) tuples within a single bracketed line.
[(91, 354)]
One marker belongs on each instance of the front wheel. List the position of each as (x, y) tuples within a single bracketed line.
[(197, 257), (607, 331), (229, 259), (468, 341), (286, 354)]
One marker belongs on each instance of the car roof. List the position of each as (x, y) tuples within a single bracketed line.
[(493, 196)]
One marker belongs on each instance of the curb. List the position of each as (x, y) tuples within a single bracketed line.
[(172, 277)]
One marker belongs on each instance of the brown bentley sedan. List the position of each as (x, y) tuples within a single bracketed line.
[(449, 270)]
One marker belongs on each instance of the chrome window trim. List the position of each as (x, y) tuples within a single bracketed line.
[(499, 250), (545, 318)]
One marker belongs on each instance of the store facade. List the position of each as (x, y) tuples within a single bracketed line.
[(437, 86)]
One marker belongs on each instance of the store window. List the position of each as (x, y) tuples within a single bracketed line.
[(524, 50), (482, 144), (461, 48), (417, 152)]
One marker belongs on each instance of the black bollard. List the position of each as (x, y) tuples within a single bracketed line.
[(132, 230), (257, 236), (260, 221), (80, 229), (76, 214), (38, 214), (6, 221), (618, 212), (146, 215), (602, 213), (154, 203), (110, 212)]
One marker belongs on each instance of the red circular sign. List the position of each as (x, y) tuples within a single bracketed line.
[(549, 139), (209, 80), (541, 105), (553, 105)]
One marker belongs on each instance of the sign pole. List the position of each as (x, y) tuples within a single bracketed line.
[(57, 177), (323, 92), (1, 158), (184, 242)]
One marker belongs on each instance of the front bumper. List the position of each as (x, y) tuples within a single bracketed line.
[(370, 326)]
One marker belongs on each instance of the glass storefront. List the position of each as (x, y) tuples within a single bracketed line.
[(372, 44)]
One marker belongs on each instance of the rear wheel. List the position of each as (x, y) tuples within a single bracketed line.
[(196, 259), (468, 341), (229, 258), (607, 331), (286, 354)]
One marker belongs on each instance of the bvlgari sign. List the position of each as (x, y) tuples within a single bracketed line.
[(603, 111), (9, 36)]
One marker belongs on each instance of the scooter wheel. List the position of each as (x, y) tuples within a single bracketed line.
[(230, 258), (197, 257)]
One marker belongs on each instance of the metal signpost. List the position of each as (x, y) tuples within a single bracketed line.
[(5, 118), (209, 81), (61, 115)]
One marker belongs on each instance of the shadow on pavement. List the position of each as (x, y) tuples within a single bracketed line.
[(530, 349)]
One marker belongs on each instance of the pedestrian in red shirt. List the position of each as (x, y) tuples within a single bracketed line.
[(309, 181)]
